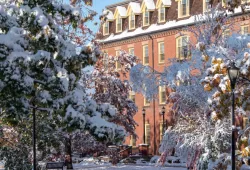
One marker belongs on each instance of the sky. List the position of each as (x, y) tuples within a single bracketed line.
[(98, 6)]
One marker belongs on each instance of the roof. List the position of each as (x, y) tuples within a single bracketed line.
[(149, 4), (135, 7), (166, 2), (110, 15), (122, 11), (157, 28)]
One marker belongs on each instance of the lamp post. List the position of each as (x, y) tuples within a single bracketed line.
[(233, 73), (143, 114), (163, 119), (34, 138)]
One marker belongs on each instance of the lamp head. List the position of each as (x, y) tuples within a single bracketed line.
[(143, 111), (163, 110), (233, 74)]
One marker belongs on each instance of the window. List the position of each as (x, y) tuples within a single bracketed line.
[(146, 18), (132, 21), (147, 134), (161, 13), (182, 48), (226, 33), (206, 5), (105, 60), (133, 140), (145, 55), (146, 102), (131, 51), (161, 131), (161, 52), (119, 24), (223, 3), (132, 96), (162, 94), (117, 63), (106, 28), (183, 8), (245, 1), (244, 29)]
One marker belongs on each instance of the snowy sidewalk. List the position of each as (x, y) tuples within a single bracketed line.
[(130, 167)]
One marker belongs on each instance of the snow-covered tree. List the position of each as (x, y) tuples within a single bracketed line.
[(42, 72), (201, 117)]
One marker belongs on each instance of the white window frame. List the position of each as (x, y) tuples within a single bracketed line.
[(160, 52), (117, 23), (226, 33), (206, 6), (147, 134), (117, 64), (131, 51), (144, 17), (132, 140), (162, 90), (180, 8), (132, 15), (182, 46), (132, 96), (146, 102), (160, 12), (106, 25), (144, 54), (242, 29), (161, 130), (105, 60)]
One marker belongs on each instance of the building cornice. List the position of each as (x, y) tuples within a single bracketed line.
[(160, 33)]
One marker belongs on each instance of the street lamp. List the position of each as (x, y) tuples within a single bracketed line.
[(163, 119), (233, 73), (143, 114)]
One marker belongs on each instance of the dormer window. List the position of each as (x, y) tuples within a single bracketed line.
[(206, 5), (183, 8), (132, 21), (119, 24), (161, 15), (146, 18), (106, 28)]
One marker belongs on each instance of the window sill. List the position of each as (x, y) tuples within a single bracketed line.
[(160, 22), (145, 25), (161, 62), (180, 17), (162, 104), (146, 64), (118, 31), (148, 105)]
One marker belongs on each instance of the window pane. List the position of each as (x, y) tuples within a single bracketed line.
[(162, 48), (131, 51), (147, 128), (145, 57)]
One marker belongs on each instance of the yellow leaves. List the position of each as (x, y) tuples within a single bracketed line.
[(216, 61), (246, 152), (207, 87), (216, 81), (205, 58)]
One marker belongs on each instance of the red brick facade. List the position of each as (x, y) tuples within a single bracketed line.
[(168, 36)]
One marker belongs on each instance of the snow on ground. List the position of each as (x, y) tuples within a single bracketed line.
[(130, 167)]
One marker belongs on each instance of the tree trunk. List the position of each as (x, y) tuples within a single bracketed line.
[(68, 153)]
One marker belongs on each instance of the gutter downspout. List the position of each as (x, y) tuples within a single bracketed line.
[(153, 66)]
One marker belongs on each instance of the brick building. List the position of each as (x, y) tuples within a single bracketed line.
[(152, 31)]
